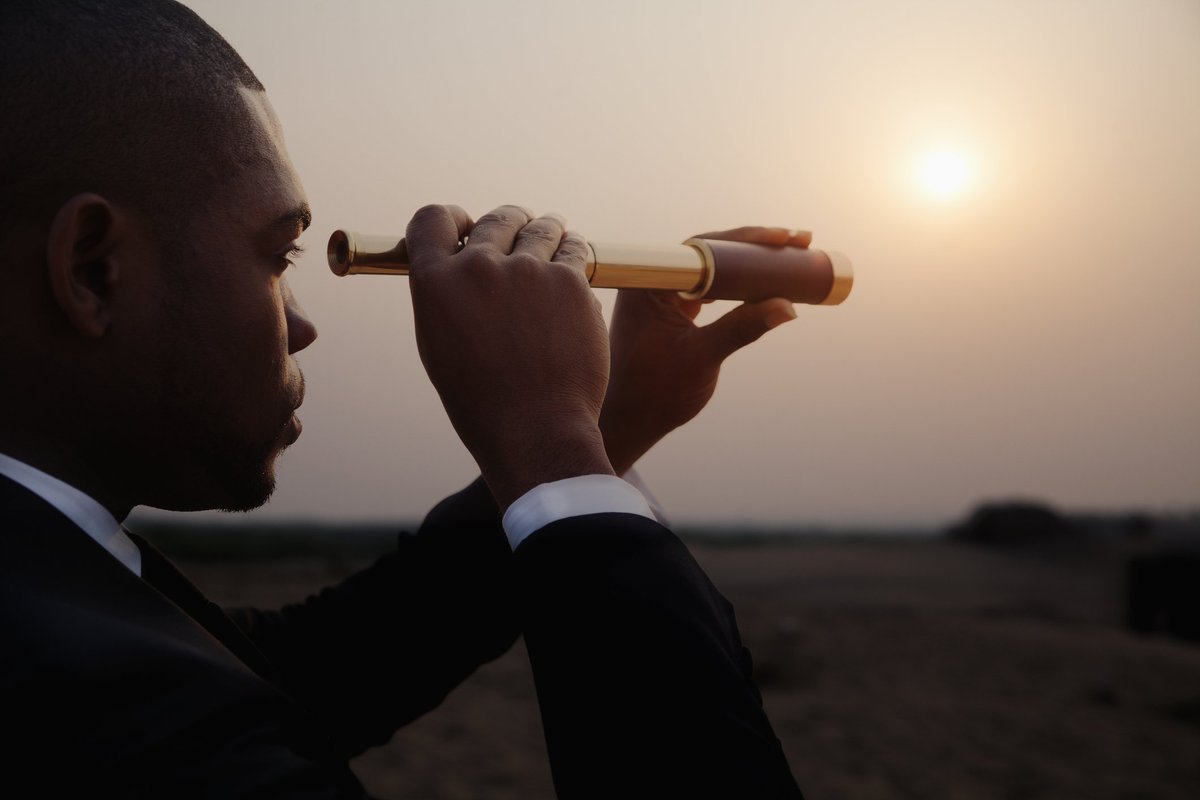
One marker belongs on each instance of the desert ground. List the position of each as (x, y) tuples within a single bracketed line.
[(890, 668)]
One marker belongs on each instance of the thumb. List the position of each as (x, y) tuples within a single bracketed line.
[(745, 324)]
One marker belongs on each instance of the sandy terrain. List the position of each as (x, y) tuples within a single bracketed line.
[(904, 669)]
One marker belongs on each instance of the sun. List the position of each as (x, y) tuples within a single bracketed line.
[(944, 172)]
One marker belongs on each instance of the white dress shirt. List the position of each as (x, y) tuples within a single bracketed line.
[(537, 508), (93, 518)]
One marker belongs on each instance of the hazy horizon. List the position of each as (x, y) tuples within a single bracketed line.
[(1023, 326)]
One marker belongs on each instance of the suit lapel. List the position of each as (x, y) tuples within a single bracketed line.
[(160, 573), (39, 545)]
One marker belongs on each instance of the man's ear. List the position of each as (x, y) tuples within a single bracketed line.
[(82, 255)]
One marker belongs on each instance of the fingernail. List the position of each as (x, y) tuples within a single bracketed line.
[(781, 315)]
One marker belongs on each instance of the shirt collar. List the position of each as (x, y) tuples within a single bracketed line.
[(91, 517)]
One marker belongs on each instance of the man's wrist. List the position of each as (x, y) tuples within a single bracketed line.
[(624, 443), (552, 457)]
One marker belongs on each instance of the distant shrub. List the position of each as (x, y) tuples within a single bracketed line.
[(1014, 523)]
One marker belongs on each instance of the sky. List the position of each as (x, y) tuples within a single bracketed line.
[(1017, 184)]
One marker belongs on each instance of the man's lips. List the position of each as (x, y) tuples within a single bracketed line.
[(293, 427), (292, 431)]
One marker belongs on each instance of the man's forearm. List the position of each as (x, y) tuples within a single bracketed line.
[(644, 685), (387, 644)]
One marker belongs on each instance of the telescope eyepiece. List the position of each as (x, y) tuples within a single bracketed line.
[(339, 252)]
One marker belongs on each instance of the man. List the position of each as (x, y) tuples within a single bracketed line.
[(147, 343)]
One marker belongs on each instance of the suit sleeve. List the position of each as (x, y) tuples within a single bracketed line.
[(644, 686), (389, 643)]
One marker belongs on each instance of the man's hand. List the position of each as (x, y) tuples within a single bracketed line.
[(665, 367), (514, 342)]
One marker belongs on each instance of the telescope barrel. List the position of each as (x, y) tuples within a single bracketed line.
[(698, 268)]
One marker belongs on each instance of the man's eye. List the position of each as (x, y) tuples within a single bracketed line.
[(288, 258)]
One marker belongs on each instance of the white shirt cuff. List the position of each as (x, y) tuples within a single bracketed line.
[(571, 497)]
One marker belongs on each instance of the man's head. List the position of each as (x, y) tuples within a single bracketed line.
[(147, 213)]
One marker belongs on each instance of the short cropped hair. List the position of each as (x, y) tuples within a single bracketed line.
[(136, 100)]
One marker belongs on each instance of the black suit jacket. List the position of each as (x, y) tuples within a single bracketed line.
[(114, 689)]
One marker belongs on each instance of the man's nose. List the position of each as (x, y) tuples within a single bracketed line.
[(301, 330)]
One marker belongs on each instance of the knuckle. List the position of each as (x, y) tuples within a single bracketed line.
[(573, 245), (429, 213), (427, 218), (491, 219), (478, 259), (504, 215), (540, 232), (573, 249), (525, 263)]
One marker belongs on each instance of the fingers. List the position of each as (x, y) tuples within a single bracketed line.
[(436, 232), (541, 237), (572, 251), (498, 228), (800, 239), (670, 304), (754, 234), (746, 324), (751, 233)]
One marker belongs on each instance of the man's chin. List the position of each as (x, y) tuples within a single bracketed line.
[(250, 493), (248, 483), (227, 488)]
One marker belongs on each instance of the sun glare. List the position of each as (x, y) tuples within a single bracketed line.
[(944, 173)]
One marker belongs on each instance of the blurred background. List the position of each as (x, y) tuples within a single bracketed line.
[(1018, 185)]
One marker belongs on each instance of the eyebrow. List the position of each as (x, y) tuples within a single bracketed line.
[(300, 215)]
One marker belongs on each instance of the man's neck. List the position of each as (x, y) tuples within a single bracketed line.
[(66, 464)]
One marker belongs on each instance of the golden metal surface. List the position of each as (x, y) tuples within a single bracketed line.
[(687, 268), (609, 266), (358, 254), (627, 266)]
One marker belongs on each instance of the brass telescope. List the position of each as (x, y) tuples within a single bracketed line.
[(698, 268)]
